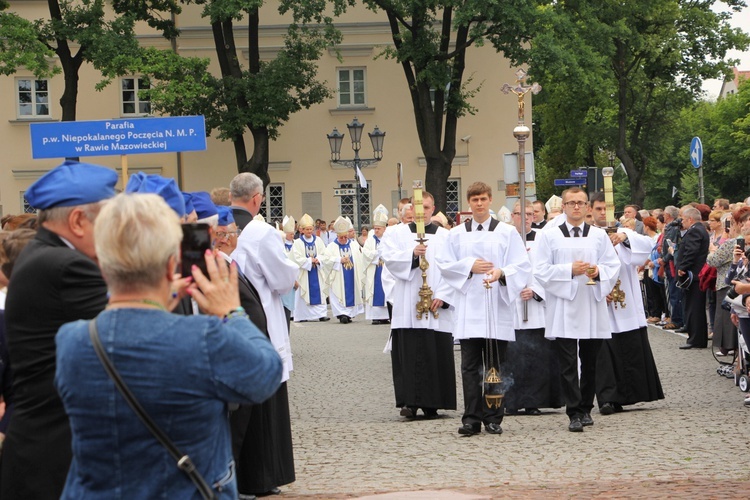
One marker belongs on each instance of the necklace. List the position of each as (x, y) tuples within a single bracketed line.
[(147, 302)]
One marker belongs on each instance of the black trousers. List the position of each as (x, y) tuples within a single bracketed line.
[(695, 315), (578, 393), (474, 357)]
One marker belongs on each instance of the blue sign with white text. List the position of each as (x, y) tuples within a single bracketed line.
[(579, 173), (118, 137), (570, 182), (696, 152)]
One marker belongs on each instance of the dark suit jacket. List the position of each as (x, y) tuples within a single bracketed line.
[(51, 285), (241, 217), (693, 250)]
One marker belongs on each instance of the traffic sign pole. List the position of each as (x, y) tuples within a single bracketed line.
[(696, 158)]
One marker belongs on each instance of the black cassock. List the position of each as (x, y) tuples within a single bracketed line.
[(532, 363), (626, 371)]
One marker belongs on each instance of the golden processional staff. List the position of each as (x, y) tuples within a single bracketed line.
[(521, 133), (618, 296), (425, 292)]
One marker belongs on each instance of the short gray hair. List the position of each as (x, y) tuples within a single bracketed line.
[(244, 186), (405, 209), (61, 214), (672, 211), (691, 213), (135, 235)]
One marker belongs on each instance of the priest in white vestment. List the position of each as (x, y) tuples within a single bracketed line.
[(481, 251), (342, 261), (310, 298), (421, 348), (567, 256), (376, 308)]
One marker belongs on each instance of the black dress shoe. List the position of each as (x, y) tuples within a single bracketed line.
[(430, 413), (687, 346), (607, 409), (586, 420), (533, 411), (344, 319), (681, 330), (324, 318), (408, 412), (575, 425), (469, 430), (272, 491), (493, 429)]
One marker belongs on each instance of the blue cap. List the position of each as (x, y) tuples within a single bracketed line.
[(72, 184), (225, 215), (203, 205), (188, 202), (156, 184)]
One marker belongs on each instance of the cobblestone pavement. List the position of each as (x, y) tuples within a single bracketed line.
[(349, 440)]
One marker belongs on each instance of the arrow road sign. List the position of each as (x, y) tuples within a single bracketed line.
[(570, 182), (696, 152)]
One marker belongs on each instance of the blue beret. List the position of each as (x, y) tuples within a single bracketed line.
[(203, 204), (72, 184), (188, 202), (225, 215), (156, 184)]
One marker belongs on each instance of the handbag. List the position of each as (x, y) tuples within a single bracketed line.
[(184, 463), (707, 278)]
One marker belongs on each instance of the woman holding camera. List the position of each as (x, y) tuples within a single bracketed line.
[(721, 256), (183, 370)]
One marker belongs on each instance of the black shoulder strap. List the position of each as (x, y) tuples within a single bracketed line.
[(493, 223), (586, 228), (468, 225), (184, 463), (564, 230)]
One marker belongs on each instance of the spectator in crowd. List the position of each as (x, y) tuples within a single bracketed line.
[(655, 298), (693, 250), (720, 256), (721, 204), (221, 197), (13, 222), (672, 235)]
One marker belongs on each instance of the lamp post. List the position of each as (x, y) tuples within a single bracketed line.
[(336, 139)]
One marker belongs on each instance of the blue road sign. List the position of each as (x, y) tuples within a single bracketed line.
[(570, 182), (118, 137), (696, 152), (579, 173)]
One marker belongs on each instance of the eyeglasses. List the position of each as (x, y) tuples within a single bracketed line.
[(528, 214), (226, 234), (262, 197), (573, 204)]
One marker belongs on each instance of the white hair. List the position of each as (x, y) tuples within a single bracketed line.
[(244, 186)]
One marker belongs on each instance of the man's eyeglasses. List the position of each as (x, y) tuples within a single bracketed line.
[(573, 204), (528, 214), (226, 234)]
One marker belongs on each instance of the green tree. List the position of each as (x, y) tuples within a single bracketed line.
[(624, 70), (430, 39), (258, 98), (20, 46)]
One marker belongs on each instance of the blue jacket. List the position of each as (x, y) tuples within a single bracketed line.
[(183, 370)]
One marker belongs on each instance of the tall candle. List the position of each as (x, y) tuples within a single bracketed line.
[(609, 197), (418, 207)]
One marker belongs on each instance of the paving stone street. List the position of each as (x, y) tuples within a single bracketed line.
[(349, 440)]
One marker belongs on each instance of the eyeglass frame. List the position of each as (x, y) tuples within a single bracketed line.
[(220, 235), (574, 204)]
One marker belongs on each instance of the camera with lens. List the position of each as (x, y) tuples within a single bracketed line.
[(729, 298), (675, 223)]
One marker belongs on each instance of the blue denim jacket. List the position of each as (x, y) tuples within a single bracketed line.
[(183, 370)]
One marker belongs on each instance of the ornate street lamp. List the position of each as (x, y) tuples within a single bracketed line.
[(336, 139)]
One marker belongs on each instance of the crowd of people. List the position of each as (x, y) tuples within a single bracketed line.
[(122, 376)]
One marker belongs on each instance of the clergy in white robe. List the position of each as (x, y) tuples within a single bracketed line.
[(310, 298), (341, 261), (376, 307), (260, 255), (626, 371), (422, 359), (483, 250), (531, 361), (288, 226), (576, 311)]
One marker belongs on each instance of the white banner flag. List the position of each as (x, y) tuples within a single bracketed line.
[(362, 180), (674, 191)]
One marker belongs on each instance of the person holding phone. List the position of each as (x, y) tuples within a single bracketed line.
[(720, 254)]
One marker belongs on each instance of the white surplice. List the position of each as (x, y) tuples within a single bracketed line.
[(632, 316), (535, 308), (575, 310), (303, 311), (483, 313), (260, 255), (398, 253), (371, 260)]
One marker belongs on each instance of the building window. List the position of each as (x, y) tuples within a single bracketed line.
[(351, 85), (445, 97), (348, 204), (453, 198), (132, 101), (272, 208), (32, 96), (26, 206)]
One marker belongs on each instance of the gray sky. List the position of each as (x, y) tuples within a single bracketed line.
[(739, 20)]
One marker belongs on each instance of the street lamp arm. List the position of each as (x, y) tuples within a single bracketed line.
[(362, 163)]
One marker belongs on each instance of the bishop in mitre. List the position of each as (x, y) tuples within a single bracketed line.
[(310, 298), (341, 262), (376, 309)]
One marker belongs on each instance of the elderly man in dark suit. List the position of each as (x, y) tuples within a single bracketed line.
[(690, 259), (55, 280)]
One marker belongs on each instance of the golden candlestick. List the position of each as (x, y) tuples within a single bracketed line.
[(618, 296), (425, 292)]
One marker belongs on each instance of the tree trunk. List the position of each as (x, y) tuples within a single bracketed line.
[(436, 181), (258, 162)]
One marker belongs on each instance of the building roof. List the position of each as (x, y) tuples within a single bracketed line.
[(731, 86)]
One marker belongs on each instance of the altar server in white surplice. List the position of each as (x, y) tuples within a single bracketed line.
[(260, 255), (483, 250), (342, 261), (577, 314), (626, 371), (310, 299), (421, 348), (376, 309)]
